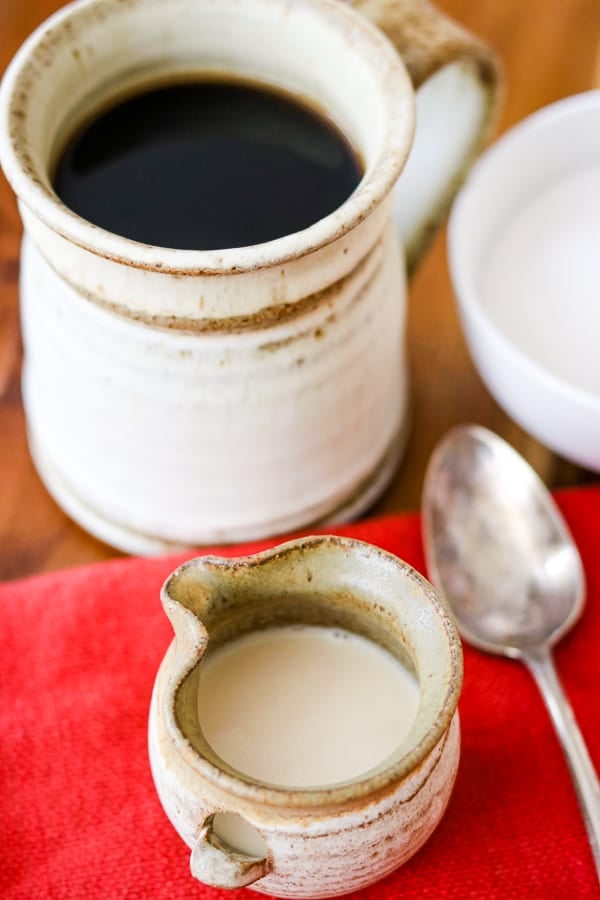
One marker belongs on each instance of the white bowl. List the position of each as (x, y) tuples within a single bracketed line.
[(524, 247)]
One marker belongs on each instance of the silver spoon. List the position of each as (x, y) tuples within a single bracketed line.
[(498, 549)]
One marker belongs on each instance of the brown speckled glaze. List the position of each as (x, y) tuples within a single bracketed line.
[(332, 840), (428, 41)]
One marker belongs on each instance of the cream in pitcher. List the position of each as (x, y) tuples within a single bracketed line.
[(180, 392), (303, 706), (303, 732)]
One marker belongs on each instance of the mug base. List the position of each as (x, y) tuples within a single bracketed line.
[(138, 543)]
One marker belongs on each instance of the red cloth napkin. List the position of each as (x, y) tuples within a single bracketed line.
[(79, 817)]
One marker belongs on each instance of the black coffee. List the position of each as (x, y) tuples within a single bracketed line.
[(207, 165)]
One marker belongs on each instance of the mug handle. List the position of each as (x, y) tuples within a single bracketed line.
[(457, 78), (213, 862)]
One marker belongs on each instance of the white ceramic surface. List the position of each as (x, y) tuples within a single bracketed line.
[(329, 840), (188, 397), (523, 242)]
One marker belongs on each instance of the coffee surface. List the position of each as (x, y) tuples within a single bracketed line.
[(207, 165)]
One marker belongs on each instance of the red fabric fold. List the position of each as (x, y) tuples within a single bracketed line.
[(79, 817)]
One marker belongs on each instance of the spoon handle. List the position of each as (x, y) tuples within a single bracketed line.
[(540, 664)]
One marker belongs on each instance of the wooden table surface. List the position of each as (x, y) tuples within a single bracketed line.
[(549, 50)]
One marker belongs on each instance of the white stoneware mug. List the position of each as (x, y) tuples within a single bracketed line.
[(183, 397), (317, 842)]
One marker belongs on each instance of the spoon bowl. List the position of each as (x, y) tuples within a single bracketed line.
[(499, 550), (493, 531)]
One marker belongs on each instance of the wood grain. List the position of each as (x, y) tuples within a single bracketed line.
[(550, 50)]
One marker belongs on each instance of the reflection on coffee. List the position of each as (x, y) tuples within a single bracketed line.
[(205, 165)]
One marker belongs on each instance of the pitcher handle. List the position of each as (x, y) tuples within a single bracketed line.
[(458, 80), (215, 863)]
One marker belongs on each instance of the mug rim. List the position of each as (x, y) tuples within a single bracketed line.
[(378, 179), (378, 780)]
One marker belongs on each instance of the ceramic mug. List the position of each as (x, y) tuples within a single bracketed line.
[(184, 397), (318, 842)]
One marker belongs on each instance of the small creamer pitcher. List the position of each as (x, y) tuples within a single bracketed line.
[(334, 838)]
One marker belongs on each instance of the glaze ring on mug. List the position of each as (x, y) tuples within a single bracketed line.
[(338, 838), (182, 397)]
